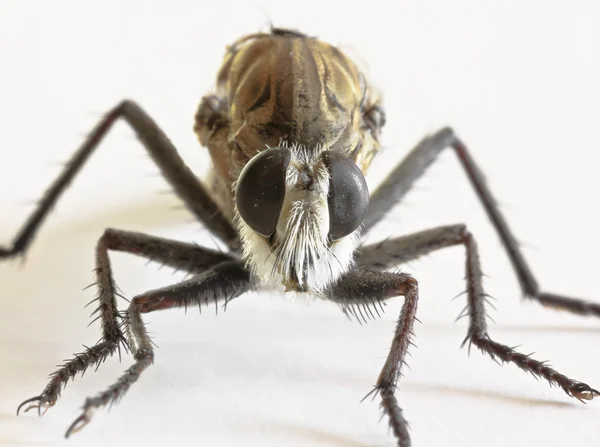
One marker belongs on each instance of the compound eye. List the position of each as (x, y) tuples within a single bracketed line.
[(348, 197), (260, 189)]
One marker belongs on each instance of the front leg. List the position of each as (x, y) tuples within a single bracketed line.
[(178, 255), (367, 289), (221, 283), (405, 248)]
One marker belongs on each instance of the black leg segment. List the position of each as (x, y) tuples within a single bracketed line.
[(161, 150), (363, 288), (402, 178), (222, 283), (388, 254), (395, 251), (179, 255)]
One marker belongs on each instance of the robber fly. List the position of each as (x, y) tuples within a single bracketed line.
[(291, 129)]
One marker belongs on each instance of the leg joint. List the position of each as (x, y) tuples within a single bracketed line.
[(107, 240), (446, 137), (144, 354), (406, 285), (462, 233)]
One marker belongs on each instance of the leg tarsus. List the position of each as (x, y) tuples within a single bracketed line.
[(40, 401), (405, 248), (398, 424), (362, 286), (565, 303), (176, 254), (95, 355), (82, 420), (539, 369), (222, 282), (143, 359)]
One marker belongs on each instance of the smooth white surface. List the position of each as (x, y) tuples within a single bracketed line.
[(519, 82)]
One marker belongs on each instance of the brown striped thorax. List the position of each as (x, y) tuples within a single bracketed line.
[(291, 128)]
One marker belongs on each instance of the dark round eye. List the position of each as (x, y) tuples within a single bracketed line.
[(260, 189), (348, 195)]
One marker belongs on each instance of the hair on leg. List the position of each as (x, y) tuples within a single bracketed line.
[(395, 251), (363, 288), (186, 185), (179, 255), (221, 283), (401, 179)]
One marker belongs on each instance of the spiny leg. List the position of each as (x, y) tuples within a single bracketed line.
[(395, 251), (161, 150), (223, 282), (402, 178), (179, 255), (363, 288)]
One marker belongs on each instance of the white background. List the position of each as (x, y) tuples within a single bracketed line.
[(519, 82)]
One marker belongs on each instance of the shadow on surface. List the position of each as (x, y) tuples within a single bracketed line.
[(316, 436), (13, 442), (488, 394), (498, 328)]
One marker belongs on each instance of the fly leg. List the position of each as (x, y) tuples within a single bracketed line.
[(161, 150), (361, 290), (381, 256), (401, 179), (222, 282), (179, 255)]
